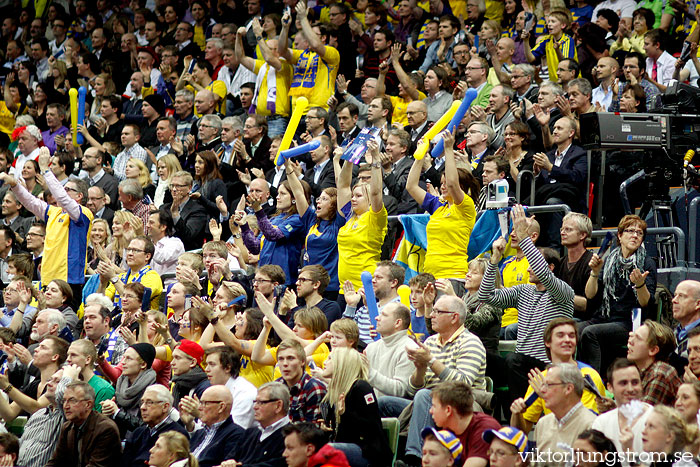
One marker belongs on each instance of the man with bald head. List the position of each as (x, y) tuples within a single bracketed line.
[(502, 58), (686, 310), (606, 73), (214, 416), (205, 102), (417, 116)]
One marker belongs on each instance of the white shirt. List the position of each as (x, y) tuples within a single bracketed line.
[(609, 424), (243, 393), (16, 170), (167, 250), (665, 66), (623, 8), (600, 95)]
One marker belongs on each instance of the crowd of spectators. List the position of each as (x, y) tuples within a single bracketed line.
[(173, 297)]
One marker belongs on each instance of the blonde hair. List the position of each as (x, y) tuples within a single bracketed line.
[(312, 319), (348, 328), (159, 317), (176, 443), (365, 191), (144, 175), (348, 367), (684, 434), (172, 164), (105, 224), (481, 264), (136, 229)]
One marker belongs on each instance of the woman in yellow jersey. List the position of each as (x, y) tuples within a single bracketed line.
[(452, 215), (247, 329), (176, 302), (360, 239), (309, 323)]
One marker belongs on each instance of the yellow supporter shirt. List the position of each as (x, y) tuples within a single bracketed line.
[(314, 77), (400, 105), (513, 272), (538, 409), (7, 119), (146, 276), (218, 87), (283, 79), (448, 233), (319, 357), (255, 373), (359, 245)]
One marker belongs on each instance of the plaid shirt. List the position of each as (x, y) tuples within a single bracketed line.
[(305, 399), (660, 383), (464, 358), (123, 157)]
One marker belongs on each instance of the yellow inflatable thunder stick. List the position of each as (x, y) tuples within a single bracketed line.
[(73, 94), (300, 107), (435, 130)]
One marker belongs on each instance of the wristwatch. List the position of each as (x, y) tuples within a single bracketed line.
[(7, 389), (258, 38), (114, 279), (431, 361)]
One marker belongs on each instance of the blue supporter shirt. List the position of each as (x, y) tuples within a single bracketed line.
[(285, 252), (418, 326), (322, 244)]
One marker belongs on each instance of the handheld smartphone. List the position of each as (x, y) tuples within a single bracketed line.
[(188, 301), (190, 68), (685, 52), (239, 299), (476, 42), (312, 365), (529, 21)]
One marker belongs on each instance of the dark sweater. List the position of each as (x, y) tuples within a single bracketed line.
[(139, 442)]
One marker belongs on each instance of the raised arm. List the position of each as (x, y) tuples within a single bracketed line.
[(29, 201), (315, 43), (412, 186), (278, 325), (247, 62), (376, 184), (64, 201), (283, 38), (451, 176), (343, 179), (261, 354), (297, 190), (267, 55), (408, 85)]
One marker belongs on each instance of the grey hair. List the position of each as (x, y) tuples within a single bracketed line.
[(218, 43), (582, 221), (81, 187), (213, 120), (277, 391), (54, 317), (88, 391), (458, 306), (485, 129), (583, 85), (184, 175), (554, 87), (526, 68), (131, 187), (570, 374), (234, 122), (184, 93), (24, 120), (161, 392), (99, 299)]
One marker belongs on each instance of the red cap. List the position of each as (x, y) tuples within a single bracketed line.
[(192, 349)]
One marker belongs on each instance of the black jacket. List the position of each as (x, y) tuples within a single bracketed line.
[(190, 226), (326, 180), (139, 442), (227, 437), (250, 451)]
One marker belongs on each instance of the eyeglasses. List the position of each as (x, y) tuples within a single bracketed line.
[(202, 125), (636, 232), (148, 403), (473, 68), (177, 185), (304, 279), (32, 234), (262, 402), (134, 250), (435, 310), (130, 297), (499, 453), (210, 402), (546, 386), (514, 76), (73, 401), (71, 189)]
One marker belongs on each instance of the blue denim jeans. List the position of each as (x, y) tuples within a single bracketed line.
[(390, 406), (276, 126), (353, 453)]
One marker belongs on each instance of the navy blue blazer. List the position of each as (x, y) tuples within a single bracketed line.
[(140, 441), (227, 437)]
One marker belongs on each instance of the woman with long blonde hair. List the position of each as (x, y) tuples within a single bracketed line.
[(104, 87), (137, 170), (100, 238), (167, 166), (351, 410), (125, 227)]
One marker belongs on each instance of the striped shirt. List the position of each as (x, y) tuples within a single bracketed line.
[(464, 358), (40, 437), (535, 308)]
